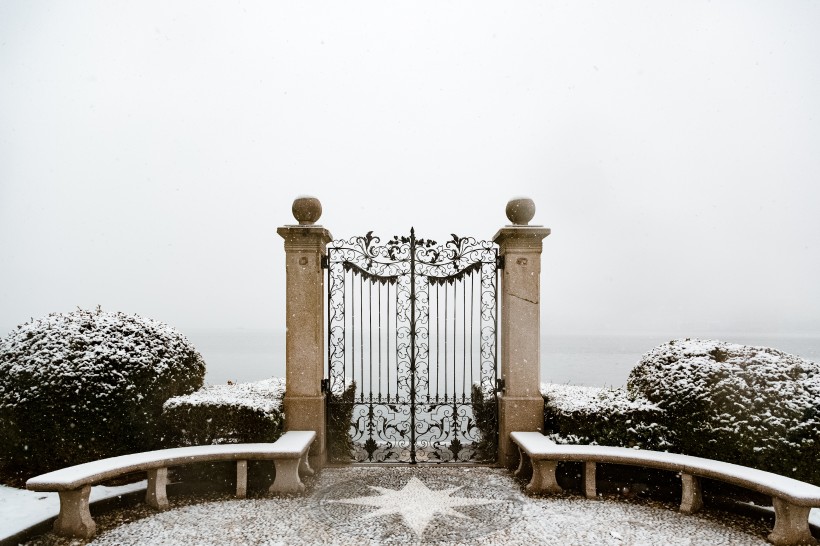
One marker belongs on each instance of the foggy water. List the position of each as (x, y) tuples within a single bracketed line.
[(593, 360)]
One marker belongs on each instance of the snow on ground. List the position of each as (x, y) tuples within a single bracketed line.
[(468, 505), (21, 509), (497, 513)]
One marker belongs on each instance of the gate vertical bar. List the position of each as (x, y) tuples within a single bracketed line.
[(412, 346)]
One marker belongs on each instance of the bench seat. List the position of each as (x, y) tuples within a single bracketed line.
[(289, 454), (792, 499)]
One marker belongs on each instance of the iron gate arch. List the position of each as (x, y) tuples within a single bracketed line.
[(418, 383)]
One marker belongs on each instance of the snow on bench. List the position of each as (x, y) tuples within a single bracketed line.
[(289, 454), (792, 499)]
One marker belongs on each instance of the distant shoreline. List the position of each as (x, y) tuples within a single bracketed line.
[(597, 360)]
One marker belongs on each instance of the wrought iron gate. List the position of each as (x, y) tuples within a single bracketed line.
[(412, 366)]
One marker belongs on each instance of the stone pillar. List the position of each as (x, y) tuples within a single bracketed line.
[(305, 357), (521, 406)]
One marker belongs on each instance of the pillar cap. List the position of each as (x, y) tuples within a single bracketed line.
[(304, 237), (521, 236), (307, 210)]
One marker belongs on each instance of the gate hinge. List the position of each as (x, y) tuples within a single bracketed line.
[(325, 385), (499, 385), (325, 263), (499, 262)]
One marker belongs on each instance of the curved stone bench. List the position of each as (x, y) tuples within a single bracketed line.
[(792, 499), (289, 454)]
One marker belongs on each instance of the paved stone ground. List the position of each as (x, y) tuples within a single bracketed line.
[(417, 505)]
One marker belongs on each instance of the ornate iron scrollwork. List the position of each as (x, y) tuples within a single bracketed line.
[(413, 324)]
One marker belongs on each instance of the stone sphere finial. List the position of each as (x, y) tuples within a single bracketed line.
[(306, 210), (520, 210)]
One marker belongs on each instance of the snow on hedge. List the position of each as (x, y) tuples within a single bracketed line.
[(232, 413), (748, 374), (83, 345), (265, 395), (592, 415), (570, 398), (755, 406), (85, 385)]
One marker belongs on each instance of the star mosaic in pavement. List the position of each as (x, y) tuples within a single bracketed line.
[(416, 503)]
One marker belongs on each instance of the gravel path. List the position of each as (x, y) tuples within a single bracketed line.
[(404, 505)]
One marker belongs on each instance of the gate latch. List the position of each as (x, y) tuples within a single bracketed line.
[(325, 385), (499, 385)]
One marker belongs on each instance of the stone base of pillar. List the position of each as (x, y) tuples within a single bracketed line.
[(514, 413), (308, 413)]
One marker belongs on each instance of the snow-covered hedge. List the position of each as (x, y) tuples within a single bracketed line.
[(592, 415), (227, 414), (754, 406), (85, 385)]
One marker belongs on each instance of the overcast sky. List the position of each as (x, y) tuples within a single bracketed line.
[(149, 151)]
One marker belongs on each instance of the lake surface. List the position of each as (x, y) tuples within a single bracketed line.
[(593, 360)]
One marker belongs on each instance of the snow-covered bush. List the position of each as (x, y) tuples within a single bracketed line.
[(592, 415), (227, 414), (85, 385), (753, 406)]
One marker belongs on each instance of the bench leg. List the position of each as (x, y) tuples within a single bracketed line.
[(241, 479), (155, 495), (287, 477), (692, 498), (304, 466), (543, 478), (791, 524), (75, 519), (524, 467), (590, 487)]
